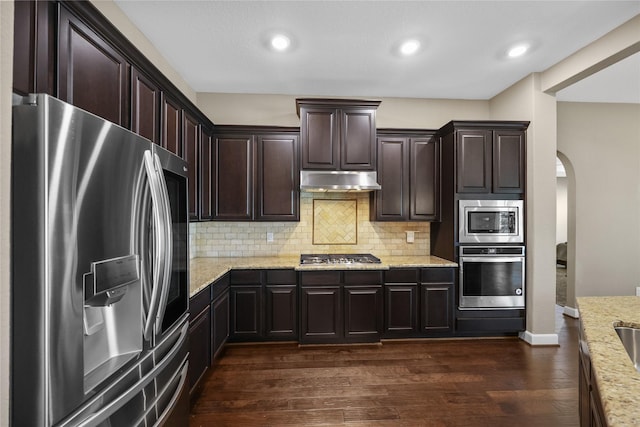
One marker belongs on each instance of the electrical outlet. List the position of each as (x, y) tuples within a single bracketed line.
[(411, 236), (638, 291), (269, 237)]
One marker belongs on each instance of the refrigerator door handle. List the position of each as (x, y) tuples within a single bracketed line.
[(103, 414), (168, 249), (159, 242)]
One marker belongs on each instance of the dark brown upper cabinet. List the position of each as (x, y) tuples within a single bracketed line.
[(409, 174), (233, 161), (255, 174), (171, 135), (34, 48), (145, 106), (508, 161), (190, 138), (277, 195), (337, 134), (490, 156), (92, 74), (207, 169)]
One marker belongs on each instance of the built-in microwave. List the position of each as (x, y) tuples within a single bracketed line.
[(491, 221)]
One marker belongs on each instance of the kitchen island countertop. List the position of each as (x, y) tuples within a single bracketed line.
[(206, 270), (618, 381)]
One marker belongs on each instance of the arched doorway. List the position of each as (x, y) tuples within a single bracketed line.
[(565, 236)]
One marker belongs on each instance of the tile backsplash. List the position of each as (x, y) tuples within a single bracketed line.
[(249, 239)]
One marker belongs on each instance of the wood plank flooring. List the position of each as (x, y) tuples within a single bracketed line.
[(488, 382)]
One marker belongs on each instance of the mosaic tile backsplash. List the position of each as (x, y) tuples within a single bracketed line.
[(249, 239), (335, 222)]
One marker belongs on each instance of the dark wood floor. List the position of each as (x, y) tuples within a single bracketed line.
[(496, 382)]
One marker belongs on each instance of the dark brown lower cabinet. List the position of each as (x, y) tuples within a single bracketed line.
[(246, 312), (219, 323), (321, 314), (340, 306), (408, 314), (199, 337), (362, 313), (437, 287), (589, 401), (208, 329), (264, 304), (199, 347), (280, 311)]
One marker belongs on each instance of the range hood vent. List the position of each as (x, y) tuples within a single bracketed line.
[(338, 181)]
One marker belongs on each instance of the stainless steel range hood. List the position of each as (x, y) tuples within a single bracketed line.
[(338, 181)]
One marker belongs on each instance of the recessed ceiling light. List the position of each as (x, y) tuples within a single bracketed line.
[(409, 47), (280, 42), (517, 51)]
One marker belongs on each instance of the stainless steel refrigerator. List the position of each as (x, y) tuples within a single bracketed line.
[(99, 273)]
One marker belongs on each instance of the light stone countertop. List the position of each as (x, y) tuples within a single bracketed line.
[(618, 381), (203, 271)]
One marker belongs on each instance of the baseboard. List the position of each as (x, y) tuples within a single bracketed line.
[(539, 339), (571, 312)]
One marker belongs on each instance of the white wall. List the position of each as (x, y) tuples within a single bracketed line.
[(602, 142), (6, 84), (526, 101), (280, 110), (561, 209)]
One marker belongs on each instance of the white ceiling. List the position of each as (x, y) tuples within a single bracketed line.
[(347, 48)]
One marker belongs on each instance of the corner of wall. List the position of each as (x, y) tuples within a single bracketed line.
[(6, 85)]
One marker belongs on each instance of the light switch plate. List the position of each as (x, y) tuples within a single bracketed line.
[(269, 237)]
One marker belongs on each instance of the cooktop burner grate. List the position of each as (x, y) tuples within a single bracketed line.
[(320, 259)]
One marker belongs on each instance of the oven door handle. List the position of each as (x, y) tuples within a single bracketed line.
[(491, 258)]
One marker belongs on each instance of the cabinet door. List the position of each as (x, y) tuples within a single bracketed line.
[(92, 75), (190, 136), (207, 169), (171, 136), (220, 323), (33, 47), (233, 177), (401, 309), (278, 176), (281, 312), (321, 315), (437, 307), (363, 313), (145, 107), (358, 137), (474, 161), (392, 201), (246, 313), (319, 137), (424, 179), (199, 347), (508, 161)]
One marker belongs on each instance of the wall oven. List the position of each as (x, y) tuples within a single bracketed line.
[(491, 221), (492, 277)]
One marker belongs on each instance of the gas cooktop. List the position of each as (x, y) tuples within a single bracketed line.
[(329, 259)]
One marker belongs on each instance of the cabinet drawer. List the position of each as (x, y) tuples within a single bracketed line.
[(363, 277), (198, 302), (281, 277), (401, 275), (320, 278), (246, 277), (437, 275)]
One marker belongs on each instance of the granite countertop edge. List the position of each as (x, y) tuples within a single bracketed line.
[(204, 271), (617, 380)]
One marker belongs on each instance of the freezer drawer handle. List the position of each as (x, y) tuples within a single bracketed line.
[(100, 416), (176, 394)]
